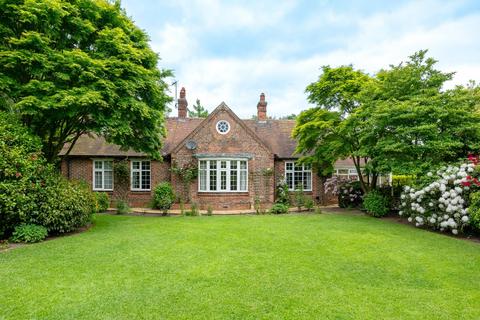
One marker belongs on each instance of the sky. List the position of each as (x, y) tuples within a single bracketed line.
[(232, 51)]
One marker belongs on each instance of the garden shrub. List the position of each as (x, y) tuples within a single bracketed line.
[(29, 233), (350, 195), (164, 197), (102, 201), (309, 203), (279, 208), (376, 204), (283, 195), (193, 210), (122, 207), (442, 201), (209, 210), (299, 198), (32, 191), (474, 209)]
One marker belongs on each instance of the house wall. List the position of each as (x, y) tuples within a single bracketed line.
[(237, 140), (81, 169)]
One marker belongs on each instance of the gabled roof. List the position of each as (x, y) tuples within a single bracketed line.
[(222, 107)]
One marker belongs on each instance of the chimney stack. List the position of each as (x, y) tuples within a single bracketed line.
[(262, 108), (182, 104)]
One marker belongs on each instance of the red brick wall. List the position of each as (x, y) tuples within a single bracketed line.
[(237, 140), (82, 169)]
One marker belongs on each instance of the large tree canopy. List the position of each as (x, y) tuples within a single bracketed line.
[(399, 120), (73, 67)]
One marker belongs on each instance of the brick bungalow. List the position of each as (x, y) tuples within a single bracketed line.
[(239, 161)]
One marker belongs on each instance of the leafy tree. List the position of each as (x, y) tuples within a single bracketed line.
[(398, 120), (332, 130), (416, 123), (73, 67), (198, 111)]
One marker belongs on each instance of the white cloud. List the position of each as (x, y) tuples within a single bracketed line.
[(375, 42)]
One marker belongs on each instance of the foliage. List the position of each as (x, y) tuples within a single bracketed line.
[(350, 195), (187, 173), (442, 201), (194, 211), (402, 180), (376, 204), (309, 203), (182, 207), (33, 192), (73, 67), (283, 195), (122, 207), (102, 201), (257, 204), (399, 120), (164, 197), (209, 210), (318, 210), (299, 197), (29, 233), (279, 208), (474, 209), (198, 111)]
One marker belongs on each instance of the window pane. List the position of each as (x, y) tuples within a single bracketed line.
[(108, 180), (233, 179), (342, 171), (233, 164), (352, 171), (145, 165), (136, 180), (98, 180), (243, 180), (203, 179), (307, 180), (203, 164), (298, 167), (307, 167), (243, 164), (213, 178), (223, 164), (298, 180), (289, 179), (289, 166), (223, 180), (98, 164), (213, 164), (136, 165), (107, 165), (145, 179)]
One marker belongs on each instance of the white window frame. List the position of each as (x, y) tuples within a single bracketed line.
[(352, 173), (292, 171), (223, 121), (218, 170), (102, 170), (140, 170)]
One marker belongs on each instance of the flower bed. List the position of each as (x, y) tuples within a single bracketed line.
[(442, 201)]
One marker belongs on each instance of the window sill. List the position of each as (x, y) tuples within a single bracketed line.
[(220, 193)]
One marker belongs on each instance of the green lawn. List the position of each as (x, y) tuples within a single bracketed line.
[(330, 266)]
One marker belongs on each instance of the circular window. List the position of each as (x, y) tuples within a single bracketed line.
[(223, 127)]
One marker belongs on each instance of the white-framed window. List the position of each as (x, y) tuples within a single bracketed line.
[(347, 173), (102, 175), (223, 175), (140, 176), (298, 176), (223, 127)]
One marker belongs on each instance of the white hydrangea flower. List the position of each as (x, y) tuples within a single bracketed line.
[(455, 231), (465, 219)]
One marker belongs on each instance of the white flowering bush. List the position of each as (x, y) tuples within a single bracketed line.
[(442, 202)]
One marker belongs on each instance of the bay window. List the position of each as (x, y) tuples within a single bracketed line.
[(223, 175), (140, 175), (298, 176), (103, 175)]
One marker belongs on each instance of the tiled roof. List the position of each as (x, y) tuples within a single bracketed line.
[(276, 134)]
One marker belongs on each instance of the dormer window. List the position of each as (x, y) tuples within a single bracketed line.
[(223, 127)]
